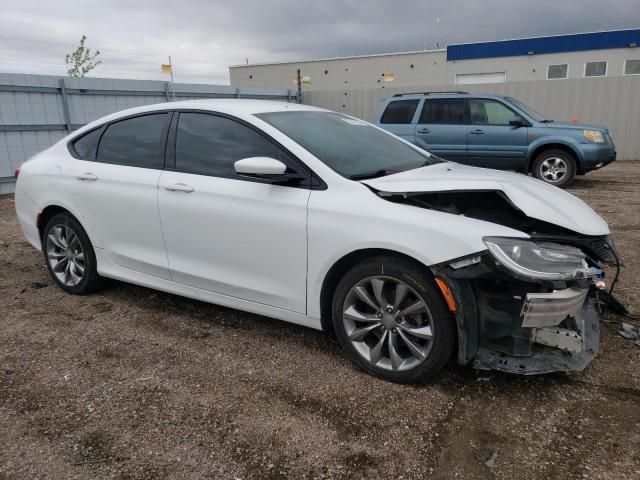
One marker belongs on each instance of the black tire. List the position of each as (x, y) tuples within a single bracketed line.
[(422, 285), (90, 280), (540, 168)]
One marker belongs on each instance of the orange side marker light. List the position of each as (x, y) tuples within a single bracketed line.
[(448, 296)]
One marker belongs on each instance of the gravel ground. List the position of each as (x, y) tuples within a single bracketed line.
[(132, 383)]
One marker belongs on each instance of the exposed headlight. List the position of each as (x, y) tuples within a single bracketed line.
[(542, 261), (594, 136)]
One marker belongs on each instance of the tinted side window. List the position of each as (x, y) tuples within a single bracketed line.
[(210, 145), (489, 112), (86, 146), (443, 111), (137, 141), (399, 111)]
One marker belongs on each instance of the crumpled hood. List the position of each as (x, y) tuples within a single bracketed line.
[(535, 198)]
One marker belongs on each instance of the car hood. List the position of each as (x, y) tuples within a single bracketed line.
[(535, 198), (576, 126)]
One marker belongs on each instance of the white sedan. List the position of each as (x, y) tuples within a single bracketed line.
[(321, 219)]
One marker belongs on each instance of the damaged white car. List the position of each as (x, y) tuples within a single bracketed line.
[(323, 220)]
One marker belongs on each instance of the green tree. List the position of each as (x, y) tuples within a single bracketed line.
[(81, 61)]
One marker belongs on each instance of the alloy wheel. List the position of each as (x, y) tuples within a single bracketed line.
[(553, 169), (388, 323), (65, 255)]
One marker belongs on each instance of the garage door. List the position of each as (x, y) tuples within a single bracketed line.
[(469, 78)]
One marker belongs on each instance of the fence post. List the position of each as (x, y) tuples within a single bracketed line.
[(237, 93), (289, 96), (65, 106), (167, 93)]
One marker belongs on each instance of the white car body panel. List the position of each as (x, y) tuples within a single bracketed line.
[(265, 248), (125, 224), (238, 238)]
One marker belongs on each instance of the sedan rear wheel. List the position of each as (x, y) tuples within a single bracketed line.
[(65, 255), (70, 256), (391, 320)]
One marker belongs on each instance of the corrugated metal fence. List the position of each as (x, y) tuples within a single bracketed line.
[(37, 110), (610, 101)]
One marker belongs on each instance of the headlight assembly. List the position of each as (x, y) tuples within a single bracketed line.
[(594, 136), (541, 261)]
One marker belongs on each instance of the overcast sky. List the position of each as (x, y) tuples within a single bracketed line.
[(204, 37)]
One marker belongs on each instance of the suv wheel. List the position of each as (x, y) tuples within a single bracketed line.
[(555, 167), (69, 254), (392, 321)]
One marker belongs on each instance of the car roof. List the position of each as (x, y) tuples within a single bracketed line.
[(230, 106)]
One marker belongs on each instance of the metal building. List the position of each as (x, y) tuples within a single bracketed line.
[(599, 54), (589, 77)]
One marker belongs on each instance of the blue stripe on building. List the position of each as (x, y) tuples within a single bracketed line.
[(555, 44)]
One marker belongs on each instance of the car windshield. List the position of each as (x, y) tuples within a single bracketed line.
[(528, 110), (351, 147)]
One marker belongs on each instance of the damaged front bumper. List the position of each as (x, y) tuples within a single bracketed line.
[(521, 326), (560, 350)]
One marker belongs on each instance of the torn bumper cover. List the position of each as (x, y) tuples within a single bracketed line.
[(573, 349), (521, 326)]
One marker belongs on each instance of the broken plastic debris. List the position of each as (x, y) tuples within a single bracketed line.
[(631, 332), (491, 461)]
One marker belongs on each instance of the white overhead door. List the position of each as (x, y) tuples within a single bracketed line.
[(469, 78)]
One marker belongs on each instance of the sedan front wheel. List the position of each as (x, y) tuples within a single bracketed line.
[(392, 321)]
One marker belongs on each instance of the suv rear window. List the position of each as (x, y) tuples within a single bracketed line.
[(448, 111), (399, 111)]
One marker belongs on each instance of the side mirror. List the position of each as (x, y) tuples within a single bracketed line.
[(267, 169), (518, 121), (260, 167)]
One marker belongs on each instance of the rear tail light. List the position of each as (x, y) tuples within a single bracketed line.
[(17, 172)]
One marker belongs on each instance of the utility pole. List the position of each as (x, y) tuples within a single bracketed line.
[(299, 80), (173, 86)]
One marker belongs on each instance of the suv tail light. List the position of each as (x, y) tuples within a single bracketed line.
[(16, 173)]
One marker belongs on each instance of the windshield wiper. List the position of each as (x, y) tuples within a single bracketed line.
[(547, 121), (375, 174)]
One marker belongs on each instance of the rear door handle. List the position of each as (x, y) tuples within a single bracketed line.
[(178, 187), (87, 176), (423, 130), (477, 132)]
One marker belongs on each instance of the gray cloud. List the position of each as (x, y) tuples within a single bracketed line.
[(204, 37)]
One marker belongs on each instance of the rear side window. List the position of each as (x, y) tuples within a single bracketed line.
[(489, 112), (399, 111), (86, 146), (210, 145), (137, 141), (444, 111)]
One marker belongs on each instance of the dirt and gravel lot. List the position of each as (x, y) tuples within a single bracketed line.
[(132, 383)]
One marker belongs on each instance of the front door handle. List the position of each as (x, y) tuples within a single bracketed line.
[(178, 187), (87, 176), (423, 130), (477, 132)]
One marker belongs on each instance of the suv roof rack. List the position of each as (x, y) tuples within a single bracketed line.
[(456, 92)]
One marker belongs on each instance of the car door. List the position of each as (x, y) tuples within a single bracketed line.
[(492, 142), (232, 235), (116, 191), (441, 128), (398, 118)]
